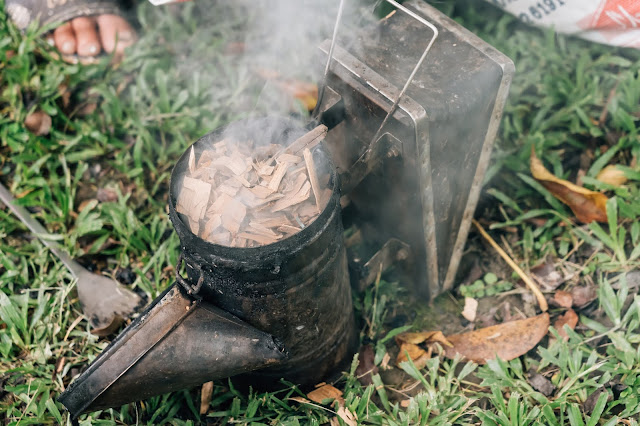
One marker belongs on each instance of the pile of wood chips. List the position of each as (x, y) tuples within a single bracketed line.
[(238, 195)]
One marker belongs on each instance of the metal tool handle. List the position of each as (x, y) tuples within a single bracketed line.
[(39, 231)]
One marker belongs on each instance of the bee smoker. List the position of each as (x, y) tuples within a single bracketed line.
[(412, 104), (284, 309)]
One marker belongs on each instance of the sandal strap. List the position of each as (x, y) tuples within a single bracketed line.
[(23, 12)]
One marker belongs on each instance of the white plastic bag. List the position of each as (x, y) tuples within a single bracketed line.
[(614, 22)]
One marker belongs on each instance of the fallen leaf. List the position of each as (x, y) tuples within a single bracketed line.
[(418, 355), (38, 123), (324, 392), (470, 309), (422, 337), (205, 397), (583, 295), (546, 275), (612, 175), (587, 205), (570, 318), (347, 416), (563, 299), (507, 340), (366, 365), (541, 383)]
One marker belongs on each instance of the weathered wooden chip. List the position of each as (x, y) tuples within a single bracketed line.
[(272, 222), (313, 177), (261, 191), (227, 189), (212, 224), (307, 210), (205, 159), (239, 242), (260, 239), (218, 205), (222, 238), (278, 174), (232, 216), (309, 139), (289, 229), (192, 160), (291, 200), (194, 225), (193, 198), (237, 164), (288, 158), (243, 181), (259, 229), (297, 184), (265, 170)]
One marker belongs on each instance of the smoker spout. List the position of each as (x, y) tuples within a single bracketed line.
[(178, 342)]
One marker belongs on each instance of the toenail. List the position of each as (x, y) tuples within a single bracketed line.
[(93, 49), (51, 42), (67, 46)]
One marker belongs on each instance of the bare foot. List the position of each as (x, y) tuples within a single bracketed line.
[(89, 36)]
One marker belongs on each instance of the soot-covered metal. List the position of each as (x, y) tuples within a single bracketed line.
[(284, 309)]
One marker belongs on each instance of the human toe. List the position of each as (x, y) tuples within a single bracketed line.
[(65, 39), (115, 33), (88, 43)]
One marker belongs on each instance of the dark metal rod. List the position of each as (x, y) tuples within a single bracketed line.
[(334, 38)]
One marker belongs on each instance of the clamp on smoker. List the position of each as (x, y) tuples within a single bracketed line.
[(410, 153)]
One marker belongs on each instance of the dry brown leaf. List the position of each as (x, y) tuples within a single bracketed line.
[(205, 397), (583, 295), (470, 309), (324, 392), (422, 337), (418, 355), (508, 340), (563, 299), (347, 416), (570, 318), (587, 205), (38, 123), (612, 175)]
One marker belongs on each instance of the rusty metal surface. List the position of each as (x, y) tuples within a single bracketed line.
[(177, 342)]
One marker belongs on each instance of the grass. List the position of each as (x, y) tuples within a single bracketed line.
[(120, 129)]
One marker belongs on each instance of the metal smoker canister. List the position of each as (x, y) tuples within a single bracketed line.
[(284, 309), (296, 289)]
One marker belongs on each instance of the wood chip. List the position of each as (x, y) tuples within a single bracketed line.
[(260, 239), (308, 140), (247, 194), (292, 200), (192, 160), (313, 177), (278, 174), (288, 158), (232, 216), (193, 198), (261, 191), (212, 224)]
